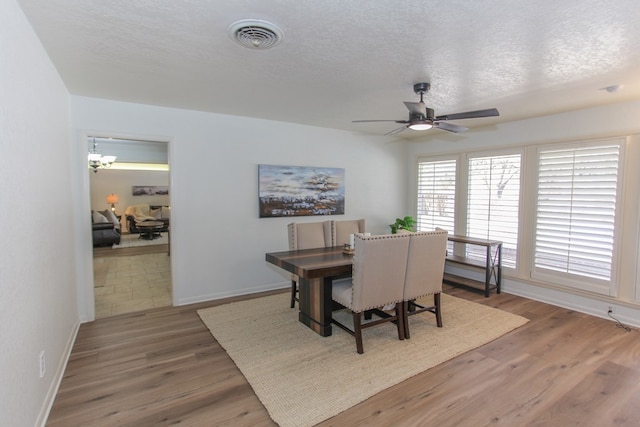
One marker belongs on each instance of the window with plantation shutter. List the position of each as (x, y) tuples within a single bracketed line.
[(493, 204), (436, 195), (576, 213)]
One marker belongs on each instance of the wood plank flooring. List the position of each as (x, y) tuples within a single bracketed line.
[(162, 367)]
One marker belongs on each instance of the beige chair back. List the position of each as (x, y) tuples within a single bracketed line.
[(342, 230), (378, 270), (425, 264), (309, 235)]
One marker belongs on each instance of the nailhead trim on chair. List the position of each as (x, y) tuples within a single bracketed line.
[(377, 237)]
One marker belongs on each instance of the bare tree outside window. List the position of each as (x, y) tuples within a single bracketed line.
[(493, 204)]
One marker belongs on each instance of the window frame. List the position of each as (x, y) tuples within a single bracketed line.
[(464, 195), (528, 206), (434, 159), (579, 282)]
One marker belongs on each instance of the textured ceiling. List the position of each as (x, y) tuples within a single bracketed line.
[(347, 60)]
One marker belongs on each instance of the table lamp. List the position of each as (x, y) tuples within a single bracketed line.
[(112, 199)]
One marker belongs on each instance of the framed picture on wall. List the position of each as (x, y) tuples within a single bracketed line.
[(300, 191), (150, 190)]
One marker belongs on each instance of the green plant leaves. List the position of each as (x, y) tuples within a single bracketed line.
[(406, 223)]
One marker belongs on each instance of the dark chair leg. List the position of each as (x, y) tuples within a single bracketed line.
[(294, 287), (405, 313), (400, 314), (357, 329), (436, 302)]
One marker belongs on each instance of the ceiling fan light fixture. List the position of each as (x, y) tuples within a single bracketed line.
[(423, 118), (421, 125)]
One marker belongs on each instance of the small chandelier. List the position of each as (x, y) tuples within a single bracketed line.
[(97, 160)]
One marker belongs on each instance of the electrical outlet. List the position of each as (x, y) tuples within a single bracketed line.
[(610, 310), (43, 364)]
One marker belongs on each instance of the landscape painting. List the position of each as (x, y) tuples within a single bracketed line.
[(300, 191), (150, 190)]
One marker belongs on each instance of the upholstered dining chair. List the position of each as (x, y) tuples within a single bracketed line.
[(378, 280), (342, 229), (424, 274), (307, 235)]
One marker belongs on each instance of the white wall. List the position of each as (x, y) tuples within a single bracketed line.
[(595, 123), (37, 268), (218, 241)]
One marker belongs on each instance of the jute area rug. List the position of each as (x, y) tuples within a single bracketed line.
[(303, 378)]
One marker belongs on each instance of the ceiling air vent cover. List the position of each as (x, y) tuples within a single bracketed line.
[(255, 34)]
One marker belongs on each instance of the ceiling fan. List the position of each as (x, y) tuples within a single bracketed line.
[(423, 118)]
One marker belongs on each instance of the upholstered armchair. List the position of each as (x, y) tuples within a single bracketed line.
[(136, 214), (425, 269), (378, 281), (342, 229), (307, 235)]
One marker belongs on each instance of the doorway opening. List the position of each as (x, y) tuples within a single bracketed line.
[(131, 265)]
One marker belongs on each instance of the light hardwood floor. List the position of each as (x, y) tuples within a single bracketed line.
[(162, 367)]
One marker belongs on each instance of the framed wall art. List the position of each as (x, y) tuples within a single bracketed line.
[(300, 191), (150, 190)]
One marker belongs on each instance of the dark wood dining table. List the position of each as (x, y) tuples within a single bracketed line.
[(316, 269)]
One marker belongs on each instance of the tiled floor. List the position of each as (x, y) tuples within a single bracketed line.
[(124, 284)]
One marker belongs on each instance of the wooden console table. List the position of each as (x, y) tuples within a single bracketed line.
[(492, 264)]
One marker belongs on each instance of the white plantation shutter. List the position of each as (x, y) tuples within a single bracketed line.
[(576, 212), (493, 204), (436, 195)]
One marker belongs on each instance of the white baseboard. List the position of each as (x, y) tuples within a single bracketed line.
[(57, 378), (228, 294), (594, 306)]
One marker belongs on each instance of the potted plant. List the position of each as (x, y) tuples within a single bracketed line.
[(406, 223)]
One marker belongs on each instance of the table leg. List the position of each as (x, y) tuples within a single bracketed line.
[(149, 234), (487, 273), (499, 276), (315, 304)]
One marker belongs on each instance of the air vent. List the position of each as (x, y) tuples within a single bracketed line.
[(255, 34)]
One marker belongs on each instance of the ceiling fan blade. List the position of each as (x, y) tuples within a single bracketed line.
[(449, 127), (397, 130), (416, 108), (370, 121), (491, 112)]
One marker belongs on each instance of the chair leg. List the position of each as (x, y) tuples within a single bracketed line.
[(294, 287), (400, 314), (357, 330), (405, 313), (436, 302)]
